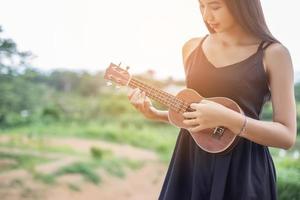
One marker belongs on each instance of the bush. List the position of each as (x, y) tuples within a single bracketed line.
[(288, 183), (288, 188)]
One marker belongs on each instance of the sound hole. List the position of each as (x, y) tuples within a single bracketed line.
[(218, 132)]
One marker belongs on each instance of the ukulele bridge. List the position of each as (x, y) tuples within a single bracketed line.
[(218, 132)]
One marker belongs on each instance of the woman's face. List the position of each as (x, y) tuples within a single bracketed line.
[(216, 14)]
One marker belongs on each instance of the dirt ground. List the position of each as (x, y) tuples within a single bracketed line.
[(139, 184)]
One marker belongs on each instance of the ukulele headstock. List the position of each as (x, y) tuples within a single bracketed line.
[(117, 75)]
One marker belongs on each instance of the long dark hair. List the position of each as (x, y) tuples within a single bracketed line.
[(249, 15)]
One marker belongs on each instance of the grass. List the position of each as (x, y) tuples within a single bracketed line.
[(37, 143), (87, 168), (158, 137), (87, 164), (288, 176), (74, 187), (21, 161), (82, 168), (137, 131)]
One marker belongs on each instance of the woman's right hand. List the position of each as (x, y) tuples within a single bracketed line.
[(142, 103)]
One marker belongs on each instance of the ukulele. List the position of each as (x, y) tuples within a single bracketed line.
[(218, 140)]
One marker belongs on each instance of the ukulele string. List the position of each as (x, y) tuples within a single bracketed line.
[(158, 95), (179, 104)]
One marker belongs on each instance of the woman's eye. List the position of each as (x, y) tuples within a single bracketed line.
[(215, 8)]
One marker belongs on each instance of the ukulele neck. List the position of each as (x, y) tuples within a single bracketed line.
[(160, 96)]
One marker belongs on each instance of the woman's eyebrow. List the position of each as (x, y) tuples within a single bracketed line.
[(212, 2)]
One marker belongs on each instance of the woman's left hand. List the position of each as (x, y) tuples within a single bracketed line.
[(207, 114)]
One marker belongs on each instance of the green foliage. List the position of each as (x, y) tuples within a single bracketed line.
[(45, 178), (19, 97), (74, 187), (288, 172), (51, 113), (36, 142), (136, 131), (86, 169), (80, 168), (98, 153), (266, 113), (30, 96), (297, 91), (288, 188), (22, 161)]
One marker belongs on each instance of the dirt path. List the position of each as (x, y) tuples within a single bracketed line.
[(142, 184), (122, 150)]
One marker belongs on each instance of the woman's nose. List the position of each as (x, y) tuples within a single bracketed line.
[(207, 15)]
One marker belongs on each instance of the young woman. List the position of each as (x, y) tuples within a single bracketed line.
[(241, 60)]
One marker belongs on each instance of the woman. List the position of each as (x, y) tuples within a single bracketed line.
[(241, 60)]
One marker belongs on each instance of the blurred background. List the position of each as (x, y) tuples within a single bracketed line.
[(64, 134)]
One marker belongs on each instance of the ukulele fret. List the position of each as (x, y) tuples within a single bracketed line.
[(159, 95)]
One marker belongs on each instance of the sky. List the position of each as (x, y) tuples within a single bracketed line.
[(144, 35)]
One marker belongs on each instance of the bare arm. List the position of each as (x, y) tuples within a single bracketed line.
[(161, 115), (282, 131)]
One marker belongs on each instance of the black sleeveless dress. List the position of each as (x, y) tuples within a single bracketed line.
[(247, 172)]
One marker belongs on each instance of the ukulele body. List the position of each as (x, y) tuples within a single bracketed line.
[(217, 140)]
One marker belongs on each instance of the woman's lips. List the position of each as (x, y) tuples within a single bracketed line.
[(214, 25)]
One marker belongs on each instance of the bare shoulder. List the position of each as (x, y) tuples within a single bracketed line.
[(280, 71), (277, 57), (278, 63), (189, 46)]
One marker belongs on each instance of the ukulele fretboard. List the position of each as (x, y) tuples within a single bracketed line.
[(161, 96)]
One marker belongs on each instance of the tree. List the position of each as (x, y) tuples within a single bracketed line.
[(18, 96)]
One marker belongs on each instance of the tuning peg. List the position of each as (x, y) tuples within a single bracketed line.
[(108, 83), (127, 68), (120, 64)]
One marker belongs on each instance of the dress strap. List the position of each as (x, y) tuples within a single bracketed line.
[(266, 46), (262, 46), (201, 42)]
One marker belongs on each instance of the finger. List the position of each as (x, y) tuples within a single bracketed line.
[(131, 92), (140, 102), (148, 102), (143, 97), (204, 101), (140, 99), (194, 105), (140, 96), (197, 128), (135, 96), (147, 98), (190, 114), (191, 122)]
